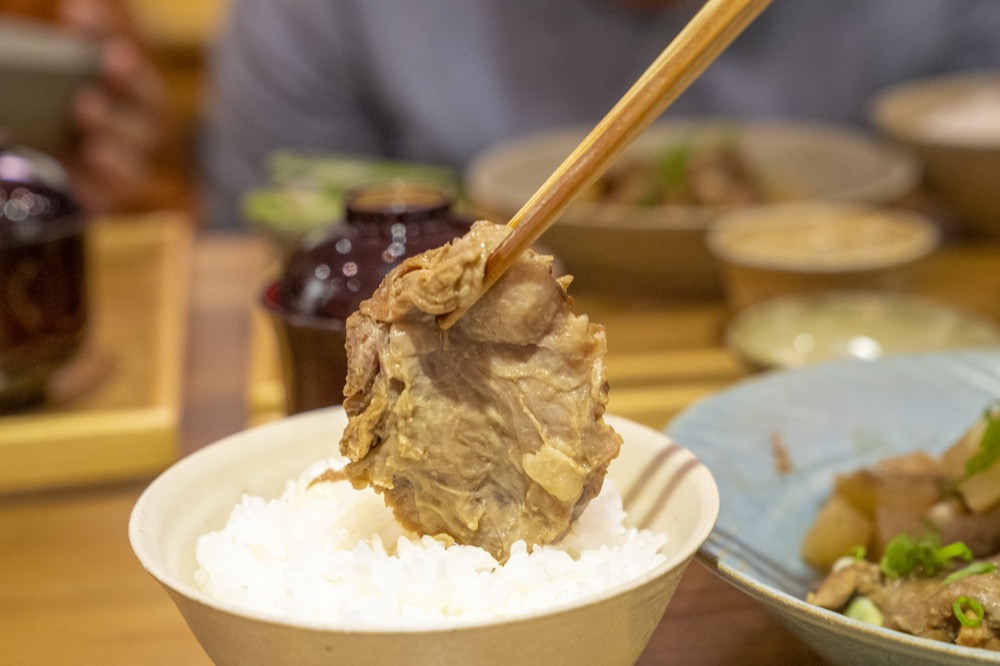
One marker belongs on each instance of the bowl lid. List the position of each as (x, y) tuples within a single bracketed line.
[(35, 203)]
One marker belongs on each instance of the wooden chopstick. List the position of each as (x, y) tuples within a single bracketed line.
[(708, 33)]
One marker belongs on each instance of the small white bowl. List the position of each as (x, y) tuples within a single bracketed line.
[(664, 486)]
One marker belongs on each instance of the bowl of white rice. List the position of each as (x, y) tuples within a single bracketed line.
[(273, 558)]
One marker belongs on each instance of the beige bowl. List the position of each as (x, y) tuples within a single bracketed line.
[(664, 486), (661, 250), (953, 124), (789, 249)]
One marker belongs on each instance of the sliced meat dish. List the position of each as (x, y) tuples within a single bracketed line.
[(491, 431)]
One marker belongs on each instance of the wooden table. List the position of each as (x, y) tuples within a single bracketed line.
[(71, 591)]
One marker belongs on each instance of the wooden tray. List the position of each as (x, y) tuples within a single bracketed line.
[(114, 412), (266, 397)]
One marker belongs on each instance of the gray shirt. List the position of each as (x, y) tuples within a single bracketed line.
[(436, 81)]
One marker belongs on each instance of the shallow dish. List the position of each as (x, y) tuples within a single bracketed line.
[(794, 331), (831, 417), (664, 486), (620, 247)]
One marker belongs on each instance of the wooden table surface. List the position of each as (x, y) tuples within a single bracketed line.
[(71, 591)]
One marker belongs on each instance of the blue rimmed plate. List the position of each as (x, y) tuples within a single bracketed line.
[(829, 418)]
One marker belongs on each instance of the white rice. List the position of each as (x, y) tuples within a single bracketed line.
[(329, 554)]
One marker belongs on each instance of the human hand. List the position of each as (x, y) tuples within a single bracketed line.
[(118, 119)]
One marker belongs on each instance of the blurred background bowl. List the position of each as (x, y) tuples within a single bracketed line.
[(41, 68), (793, 331), (953, 124), (306, 191), (43, 276), (660, 248), (798, 248), (665, 488)]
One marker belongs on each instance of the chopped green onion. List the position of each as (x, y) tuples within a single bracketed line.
[(975, 569), (857, 553), (968, 611), (952, 551), (905, 556), (864, 610), (989, 446)]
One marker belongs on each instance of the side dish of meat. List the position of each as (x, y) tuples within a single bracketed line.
[(491, 431), (710, 172), (926, 536)]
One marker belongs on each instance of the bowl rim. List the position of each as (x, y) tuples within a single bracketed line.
[(903, 178), (822, 617), (688, 548), (270, 303), (925, 243), (884, 107)]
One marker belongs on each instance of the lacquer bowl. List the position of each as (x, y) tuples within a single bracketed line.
[(664, 486)]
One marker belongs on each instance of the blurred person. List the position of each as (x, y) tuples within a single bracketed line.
[(437, 81), (118, 119)]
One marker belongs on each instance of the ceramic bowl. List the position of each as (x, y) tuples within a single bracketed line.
[(831, 418), (799, 330), (953, 124), (661, 249), (41, 68), (778, 250), (665, 488)]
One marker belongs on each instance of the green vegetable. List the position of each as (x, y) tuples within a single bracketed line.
[(989, 445), (673, 164), (864, 609), (857, 553), (905, 556), (975, 569), (968, 611)]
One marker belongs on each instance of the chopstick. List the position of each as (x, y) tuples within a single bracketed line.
[(708, 33)]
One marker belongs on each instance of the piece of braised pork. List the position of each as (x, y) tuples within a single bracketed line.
[(491, 431)]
